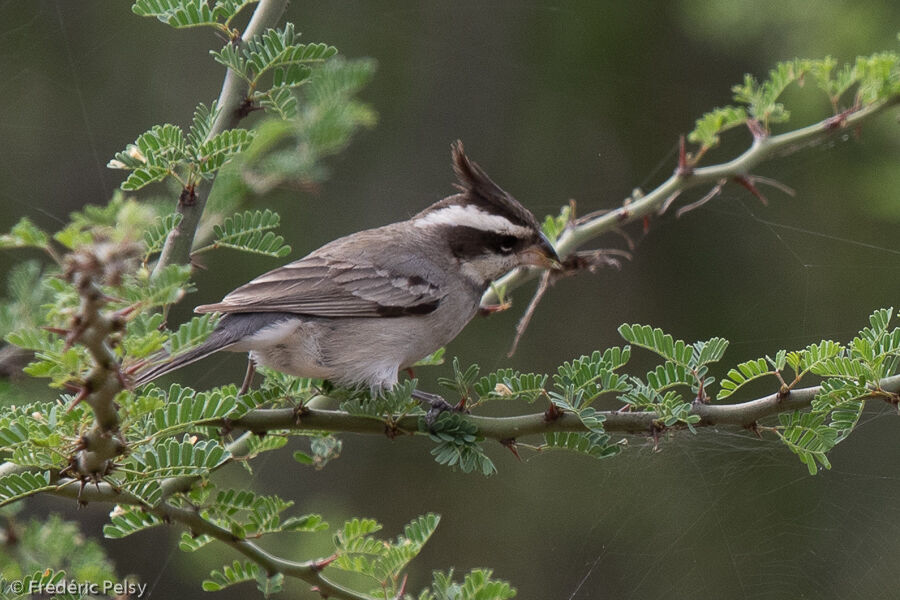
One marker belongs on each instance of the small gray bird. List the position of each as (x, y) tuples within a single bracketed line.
[(361, 308)]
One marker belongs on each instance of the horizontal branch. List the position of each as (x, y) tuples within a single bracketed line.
[(636, 208), (744, 414)]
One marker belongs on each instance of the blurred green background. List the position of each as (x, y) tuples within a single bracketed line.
[(560, 100)]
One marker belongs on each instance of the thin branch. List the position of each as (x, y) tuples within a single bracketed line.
[(191, 205), (308, 571), (636, 208)]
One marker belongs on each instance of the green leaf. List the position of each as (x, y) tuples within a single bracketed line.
[(668, 375), (554, 226), (744, 373), (143, 176), (192, 543), (218, 150), (592, 444), (24, 234), (177, 13), (21, 485), (709, 351), (808, 437), (458, 444), (433, 359), (231, 57), (236, 572), (185, 410), (510, 384), (279, 48), (279, 100), (477, 585), (878, 76), (171, 458), (656, 340), (156, 234), (269, 584), (125, 520), (248, 232), (718, 120), (166, 287), (202, 123), (191, 333)]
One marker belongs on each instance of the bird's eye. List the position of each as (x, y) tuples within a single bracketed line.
[(507, 243)]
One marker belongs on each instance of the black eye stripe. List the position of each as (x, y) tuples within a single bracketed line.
[(469, 242)]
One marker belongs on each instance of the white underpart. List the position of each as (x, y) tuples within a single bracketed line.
[(472, 216)]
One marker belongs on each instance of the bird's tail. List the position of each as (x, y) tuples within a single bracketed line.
[(219, 339), (231, 329)]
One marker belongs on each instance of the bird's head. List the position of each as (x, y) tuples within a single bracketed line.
[(489, 232)]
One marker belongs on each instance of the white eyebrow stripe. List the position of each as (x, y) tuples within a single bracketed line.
[(472, 216)]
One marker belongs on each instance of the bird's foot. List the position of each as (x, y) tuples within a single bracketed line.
[(438, 405)]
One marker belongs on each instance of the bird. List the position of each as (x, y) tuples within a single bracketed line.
[(364, 307)]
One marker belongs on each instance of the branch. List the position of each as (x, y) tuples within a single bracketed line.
[(192, 202), (635, 208), (744, 414), (308, 571)]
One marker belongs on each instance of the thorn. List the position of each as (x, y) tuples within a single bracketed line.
[(754, 428), (402, 589), (645, 222), (709, 196), (410, 372), (685, 169), (668, 202), (510, 444), (83, 393), (58, 331), (486, 310), (747, 182), (655, 431), (126, 311), (131, 370), (318, 565)]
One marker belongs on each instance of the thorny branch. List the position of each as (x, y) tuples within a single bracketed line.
[(232, 109), (640, 206), (94, 329)]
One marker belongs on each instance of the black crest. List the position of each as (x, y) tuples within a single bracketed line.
[(478, 189)]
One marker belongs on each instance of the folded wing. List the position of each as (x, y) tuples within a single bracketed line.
[(323, 287)]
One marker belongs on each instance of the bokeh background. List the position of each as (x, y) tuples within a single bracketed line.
[(558, 101)]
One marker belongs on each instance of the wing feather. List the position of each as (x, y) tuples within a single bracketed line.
[(325, 287)]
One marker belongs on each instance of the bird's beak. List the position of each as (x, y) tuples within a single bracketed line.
[(542, 254)]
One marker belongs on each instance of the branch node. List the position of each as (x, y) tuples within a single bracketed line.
[(188, 196), (552, 414)]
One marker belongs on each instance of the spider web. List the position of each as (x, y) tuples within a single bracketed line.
[(719, 514)]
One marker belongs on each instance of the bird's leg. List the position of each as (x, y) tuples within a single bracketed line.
[(438, 405), (248, 378)]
